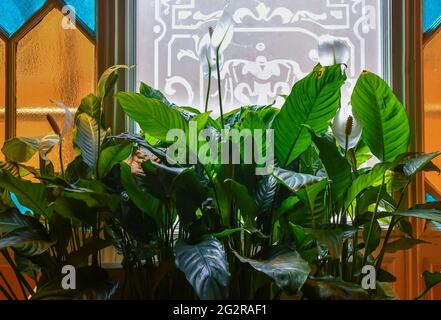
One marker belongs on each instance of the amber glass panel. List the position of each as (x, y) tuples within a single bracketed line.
[(52, 63), (432, 96), (2, 91)]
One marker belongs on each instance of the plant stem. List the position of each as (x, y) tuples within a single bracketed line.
[(219, 85), (61, 155), (392, 224), (100, 115), (209, 86), (371, 226)]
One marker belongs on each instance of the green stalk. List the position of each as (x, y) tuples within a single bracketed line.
[(392, 224), (219, 88), (209, 86), (371, 226), (100, 115), (61, 155)]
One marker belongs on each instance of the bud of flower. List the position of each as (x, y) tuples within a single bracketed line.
[(349, 124), (53, 124)]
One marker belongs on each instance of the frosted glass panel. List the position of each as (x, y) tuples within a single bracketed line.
[(52, 63), (274, 45), (432, 102), (2, 91)]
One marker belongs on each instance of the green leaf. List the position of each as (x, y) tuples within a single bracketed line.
[(89, 105), (288, 270), (31, 195), (205, 267), (74, 209), (27, 242), (365, 181), (93, 283), (415, 165), (337, 167), (80, 258), (113, 155), (149, 92), (265, 193), (243, 200), (383, 118), (375, 237), (153, 116), (12, 220), (143, 200), (333, 236), (431, 279), (288, 205), (310, 193), (293, 180), (428, 214), (403, 244), (20, 149), (313, 101), (87, 138), (333, 289), (108, 80)]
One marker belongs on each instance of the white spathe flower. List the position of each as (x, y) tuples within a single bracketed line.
[(332, 50), (345, 123), (215, 41)]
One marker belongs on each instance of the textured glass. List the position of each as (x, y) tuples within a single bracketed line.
[(432, 14), (274, 45), (2, 91), (15, 13), (52, 63), (85, 11), (432, 102)]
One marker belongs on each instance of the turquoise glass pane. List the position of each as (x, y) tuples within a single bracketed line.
[(432, 14), (85, 11), (430, 198), (15, 13)]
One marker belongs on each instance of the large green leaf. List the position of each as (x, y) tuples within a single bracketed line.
[(153, 116), (31, 195), (12, 220), (313, 101), (206, 268), (402, 244), (87, 138), (27, 242), (427, 214), (337, 167), (288, 270), (431, 279), (383, 118), (89, 105), (150, 92), (243, 200), (20, 149), (113, 155), (415, 165), (333, 236), (108, 80), (365, 181), (293, 180)]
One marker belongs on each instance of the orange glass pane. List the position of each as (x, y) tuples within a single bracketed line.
[(52, 63), (432, 104), (2, 91)]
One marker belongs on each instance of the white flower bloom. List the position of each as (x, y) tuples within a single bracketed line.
[(344, 123), (207, 55), (223, 33), (332, 51)]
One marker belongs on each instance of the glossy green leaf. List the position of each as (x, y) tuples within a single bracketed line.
[(375, 236), (87, 138), (288, 270), (403, 244), (243, 200), (313, 101), (383, 118), (153, 116), (206, 267), (20, 149), (108, 80), (149, 92), (293, 180), (27, 242), (415, 165), (337, 167), (333, 236), (113, 155)]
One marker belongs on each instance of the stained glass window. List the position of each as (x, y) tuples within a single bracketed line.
[(432, 14), (274, 45), (53, 62)]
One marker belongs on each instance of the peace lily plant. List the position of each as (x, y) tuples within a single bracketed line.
[(306, 230)]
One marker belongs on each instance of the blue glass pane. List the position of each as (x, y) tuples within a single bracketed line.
[(432, 14), (430, 198), (85, 11), (14, 13)]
